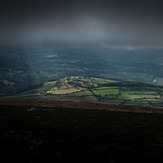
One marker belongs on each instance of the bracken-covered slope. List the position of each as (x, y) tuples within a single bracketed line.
[(33, 130), (79, 88)]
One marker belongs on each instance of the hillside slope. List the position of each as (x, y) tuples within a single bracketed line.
[(79, 88), (51, 131)]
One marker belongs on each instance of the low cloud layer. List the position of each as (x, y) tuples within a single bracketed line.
[(82, 23)]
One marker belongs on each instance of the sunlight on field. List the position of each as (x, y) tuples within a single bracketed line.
[(99, 89), (128, 95), (103, 91), (76, 84), (64, 91), (84, 92)]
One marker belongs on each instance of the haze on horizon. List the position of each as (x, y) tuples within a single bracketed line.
[(91, 23)]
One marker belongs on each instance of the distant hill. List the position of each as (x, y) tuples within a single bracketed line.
[(21, 68), (79, 88), (15, 75)]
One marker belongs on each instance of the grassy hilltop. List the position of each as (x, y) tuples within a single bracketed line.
[(79, 88)]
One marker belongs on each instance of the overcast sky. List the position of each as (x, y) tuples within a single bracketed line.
[(91, 23)]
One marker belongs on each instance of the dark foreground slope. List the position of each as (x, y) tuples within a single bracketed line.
[(38, 131)]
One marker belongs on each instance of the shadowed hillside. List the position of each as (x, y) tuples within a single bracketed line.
[(57, 131)]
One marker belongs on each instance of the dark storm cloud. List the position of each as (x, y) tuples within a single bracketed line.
[(82, 23)]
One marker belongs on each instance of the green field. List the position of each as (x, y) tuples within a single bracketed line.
[(103, 91), (134, 95)]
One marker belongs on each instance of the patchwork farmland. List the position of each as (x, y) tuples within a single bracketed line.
[(98, 89)]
